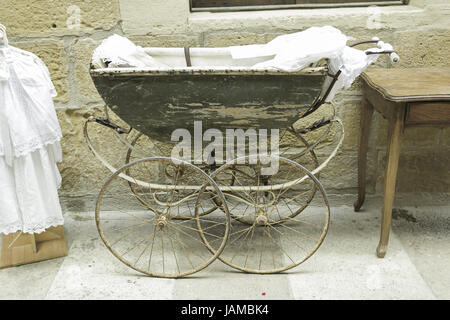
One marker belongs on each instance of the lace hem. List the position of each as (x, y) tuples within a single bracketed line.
[(35, 144), (36, 228)]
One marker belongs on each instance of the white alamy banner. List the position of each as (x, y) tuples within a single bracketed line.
[(216, 147)]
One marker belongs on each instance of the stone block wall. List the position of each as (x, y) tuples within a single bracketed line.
[(64, 34)]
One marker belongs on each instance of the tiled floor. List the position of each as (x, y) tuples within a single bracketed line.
[(345, 266)]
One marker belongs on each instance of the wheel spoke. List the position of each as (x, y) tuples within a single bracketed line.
[(128, 212), (270, 214), (278, 245), (151, 250), (294, 242)]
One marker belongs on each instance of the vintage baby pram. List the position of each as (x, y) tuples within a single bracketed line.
[(169, 216)]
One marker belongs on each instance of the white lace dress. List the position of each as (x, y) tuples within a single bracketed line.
[(29, 145)]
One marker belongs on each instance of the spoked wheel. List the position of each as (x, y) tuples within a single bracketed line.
[(140, 145), (273, 238), (296, 148), (251, 175), (139, 227)]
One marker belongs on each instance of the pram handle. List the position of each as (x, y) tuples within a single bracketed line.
[(395, 58), (385, 48)]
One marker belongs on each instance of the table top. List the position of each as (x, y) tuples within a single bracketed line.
[(410, 85)]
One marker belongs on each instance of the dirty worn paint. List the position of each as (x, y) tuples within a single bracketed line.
[(156, 105)]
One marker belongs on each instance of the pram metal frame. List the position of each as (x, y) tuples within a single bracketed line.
[(261, 195)]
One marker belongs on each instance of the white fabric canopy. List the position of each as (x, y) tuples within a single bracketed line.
[(296, 51), (119, 52), (290, 53)]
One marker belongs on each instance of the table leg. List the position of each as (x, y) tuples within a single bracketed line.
[(366, 119), (396, 126)]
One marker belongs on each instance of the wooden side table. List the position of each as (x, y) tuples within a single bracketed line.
[(406, 98)]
